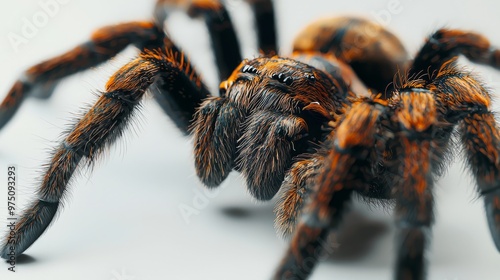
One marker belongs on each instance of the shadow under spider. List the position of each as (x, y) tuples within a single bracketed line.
[(356, 236), (354, 239), (23, 259)]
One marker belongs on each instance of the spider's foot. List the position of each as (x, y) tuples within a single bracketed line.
[(26, 230), (492, 205), (43, 91), (6, 115)]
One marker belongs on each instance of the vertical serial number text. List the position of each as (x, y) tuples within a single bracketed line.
[(12, 217)]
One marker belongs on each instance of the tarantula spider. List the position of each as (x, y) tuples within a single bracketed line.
[(305, 127)]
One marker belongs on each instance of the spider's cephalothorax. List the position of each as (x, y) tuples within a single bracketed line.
[(304, 128), (267, 115)]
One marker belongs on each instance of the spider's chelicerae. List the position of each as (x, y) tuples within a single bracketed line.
[(314, 128)]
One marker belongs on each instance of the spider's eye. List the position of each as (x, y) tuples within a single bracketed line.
[(311, 77), (288, 81), (283, 79), (249, 69)]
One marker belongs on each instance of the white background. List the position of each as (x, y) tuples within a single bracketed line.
[(124, 219)]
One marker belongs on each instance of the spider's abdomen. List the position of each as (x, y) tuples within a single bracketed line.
[(278, 107), (374, 53)]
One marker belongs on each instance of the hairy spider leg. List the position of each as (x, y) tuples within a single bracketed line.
[(469, 105), (481, 139), (223, 37), (295, 190), (426, 112), (265, 20), (416, 115), (299, 182), (446, 44), (41, 79), (225, 44), (104, 122), (343, 172)]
